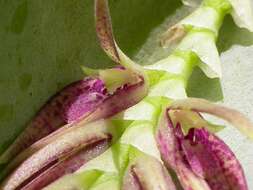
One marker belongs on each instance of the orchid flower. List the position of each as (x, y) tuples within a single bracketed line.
[(200, 159), (156, 142)]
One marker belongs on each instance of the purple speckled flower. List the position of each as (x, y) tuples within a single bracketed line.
[(72, 102), (200, 159)]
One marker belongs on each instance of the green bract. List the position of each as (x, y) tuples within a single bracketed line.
[(242, 13), (241, 10)]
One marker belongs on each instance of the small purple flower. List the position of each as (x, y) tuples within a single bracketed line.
[(200, 159)]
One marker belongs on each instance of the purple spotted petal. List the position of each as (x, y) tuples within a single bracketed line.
[(84, 98), (200, 159), (220, 168), (171, 153)]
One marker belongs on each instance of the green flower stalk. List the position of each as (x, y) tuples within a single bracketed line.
[(156, 136)]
